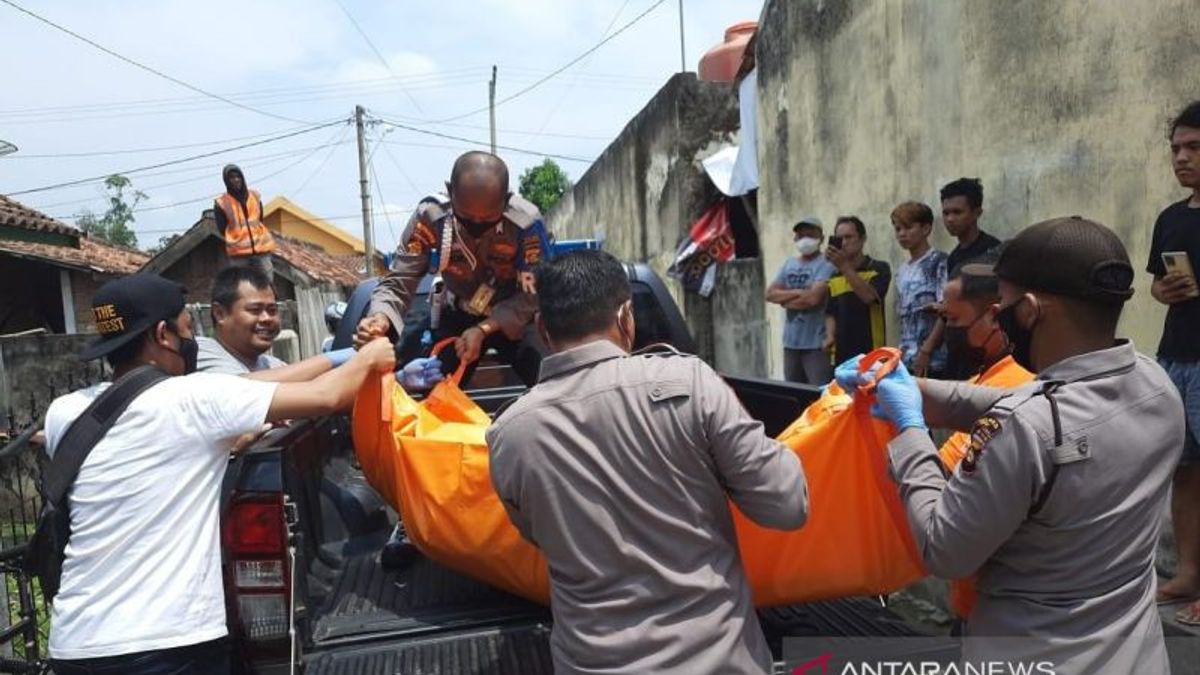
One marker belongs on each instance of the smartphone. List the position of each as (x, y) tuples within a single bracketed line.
[(835, 241), (1177, 262)]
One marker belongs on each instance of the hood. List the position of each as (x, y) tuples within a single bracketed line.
[(229, 169)]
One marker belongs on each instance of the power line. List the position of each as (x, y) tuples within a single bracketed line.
[(136, 151), (378, 55), (173, 162), (558, 71), (328, 156), (482, 144), (149, 69)]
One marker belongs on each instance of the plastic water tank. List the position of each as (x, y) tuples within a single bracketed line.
[(721, 63)]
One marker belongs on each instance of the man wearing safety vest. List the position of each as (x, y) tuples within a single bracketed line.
[(483, 243), (238, 212), (974, 339)]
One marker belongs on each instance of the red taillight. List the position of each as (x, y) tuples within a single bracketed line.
[(255, 527), (258, 577)]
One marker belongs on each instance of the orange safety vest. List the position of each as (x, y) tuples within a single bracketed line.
[(245, 233), (1004, 374)]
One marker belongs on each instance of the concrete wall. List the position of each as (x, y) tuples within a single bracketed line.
[(1060, 107), (644, 192)]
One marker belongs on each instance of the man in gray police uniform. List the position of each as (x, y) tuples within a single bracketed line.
[(620, 469), (1058, 502)]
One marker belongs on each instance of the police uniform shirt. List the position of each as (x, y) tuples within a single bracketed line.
[(619, 468), (1057, 505)]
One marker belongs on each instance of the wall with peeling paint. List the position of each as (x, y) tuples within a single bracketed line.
[(1060, 107), (644, 192)]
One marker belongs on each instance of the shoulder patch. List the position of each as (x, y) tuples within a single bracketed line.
[(985, 429)]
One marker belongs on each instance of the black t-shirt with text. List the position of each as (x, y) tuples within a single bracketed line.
[(982, 244), (1178, 229)]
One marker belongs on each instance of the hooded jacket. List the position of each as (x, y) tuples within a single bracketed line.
[(238, 214)]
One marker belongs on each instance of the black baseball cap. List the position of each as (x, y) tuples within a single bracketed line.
[(126, 308), (1072, 257)]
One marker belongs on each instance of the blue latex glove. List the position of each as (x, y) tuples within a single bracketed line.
[(846, 375), (339, 356), (420, 374), (898, 400)]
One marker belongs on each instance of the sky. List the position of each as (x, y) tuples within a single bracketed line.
[(299, 63)]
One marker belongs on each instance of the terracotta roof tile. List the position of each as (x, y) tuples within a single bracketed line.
[(318, 264), (15, 214), (91, 255)]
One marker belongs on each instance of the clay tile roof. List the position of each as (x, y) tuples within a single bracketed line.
[(316, 263), (15, 214), (93, 255)]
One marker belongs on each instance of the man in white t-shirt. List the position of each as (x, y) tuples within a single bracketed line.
[(141, 585)]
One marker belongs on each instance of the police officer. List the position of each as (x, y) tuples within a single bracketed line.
[(620, 469), (484, 243), (1058, 501)]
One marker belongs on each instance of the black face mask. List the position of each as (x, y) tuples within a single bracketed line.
[(1019, 338), (960, 350), (189, 351)]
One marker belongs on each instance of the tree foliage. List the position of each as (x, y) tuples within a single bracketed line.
[(113, 226), (544, 184)]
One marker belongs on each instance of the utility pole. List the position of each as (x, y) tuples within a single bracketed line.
[(365, 192), (492, 107), (682, 51)]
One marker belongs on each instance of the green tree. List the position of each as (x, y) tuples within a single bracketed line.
[(544, 184), (113, 226)]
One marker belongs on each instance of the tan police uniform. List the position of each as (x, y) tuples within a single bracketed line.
[(1057, 505), (620, 468)]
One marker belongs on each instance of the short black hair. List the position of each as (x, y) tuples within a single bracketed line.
[(129, 351), (971, 188), (1188, 117), (225, 286), (979, 288), (858, 225), (579, 293)]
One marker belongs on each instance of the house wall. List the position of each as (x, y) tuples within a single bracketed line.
[(83, 287), (1060, 107), (31, 296), (289, 225), (641, 197)]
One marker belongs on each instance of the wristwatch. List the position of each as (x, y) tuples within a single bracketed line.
[(487, 327)]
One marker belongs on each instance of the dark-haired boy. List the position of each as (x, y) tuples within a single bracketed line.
[(620, 469)]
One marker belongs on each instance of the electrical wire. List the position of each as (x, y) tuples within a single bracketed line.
[(149, 69), (173, 162), (556, 72), (382, 201), (378, 55), (135, 151), (482, 144), (325, 161)]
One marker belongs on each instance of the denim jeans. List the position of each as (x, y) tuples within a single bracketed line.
[(1186, 376), (206, 658)]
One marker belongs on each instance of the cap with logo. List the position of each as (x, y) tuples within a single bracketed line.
[(1072, 257), (126, 308)]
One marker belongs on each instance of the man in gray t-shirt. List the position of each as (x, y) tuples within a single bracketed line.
[(245, 318), (802, 288)]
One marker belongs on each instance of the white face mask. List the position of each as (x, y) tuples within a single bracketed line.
[(807, 245)]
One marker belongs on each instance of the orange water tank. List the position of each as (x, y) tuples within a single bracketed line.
[(721, 63)]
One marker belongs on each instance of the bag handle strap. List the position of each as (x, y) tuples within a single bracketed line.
[(89, 428), (457, 376), (884, 360)]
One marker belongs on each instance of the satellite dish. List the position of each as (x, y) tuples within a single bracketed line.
[(7, 148)]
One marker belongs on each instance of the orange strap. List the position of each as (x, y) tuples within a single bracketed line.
[(457, 376)]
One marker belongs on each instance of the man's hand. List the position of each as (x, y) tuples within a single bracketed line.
[(469, 345), (379, 355), (420, 374), (827, 344), (898, 400), (839, 259), (1174, 288), (371, 327), (847, 375), (921, 363), (244, 441)]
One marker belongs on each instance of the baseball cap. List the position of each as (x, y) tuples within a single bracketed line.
[(126, 308), (808, 221), (1072, 257)]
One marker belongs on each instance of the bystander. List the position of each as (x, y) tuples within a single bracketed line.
[(801, 288), (919, 283), (854, 321)]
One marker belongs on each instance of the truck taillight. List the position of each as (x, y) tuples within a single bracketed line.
[(255, 535)]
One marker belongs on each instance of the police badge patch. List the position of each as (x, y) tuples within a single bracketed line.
[(984, 430)]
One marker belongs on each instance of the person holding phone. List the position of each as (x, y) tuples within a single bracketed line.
[(1174, 254), (854, 321)]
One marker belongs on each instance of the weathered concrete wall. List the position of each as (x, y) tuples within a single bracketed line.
[(643, 194), (1060, 107), (35, 369)]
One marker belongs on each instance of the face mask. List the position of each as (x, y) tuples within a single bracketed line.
[(1019, 338), (189, 351), (960, 349), (627, 339), (807, 245)]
